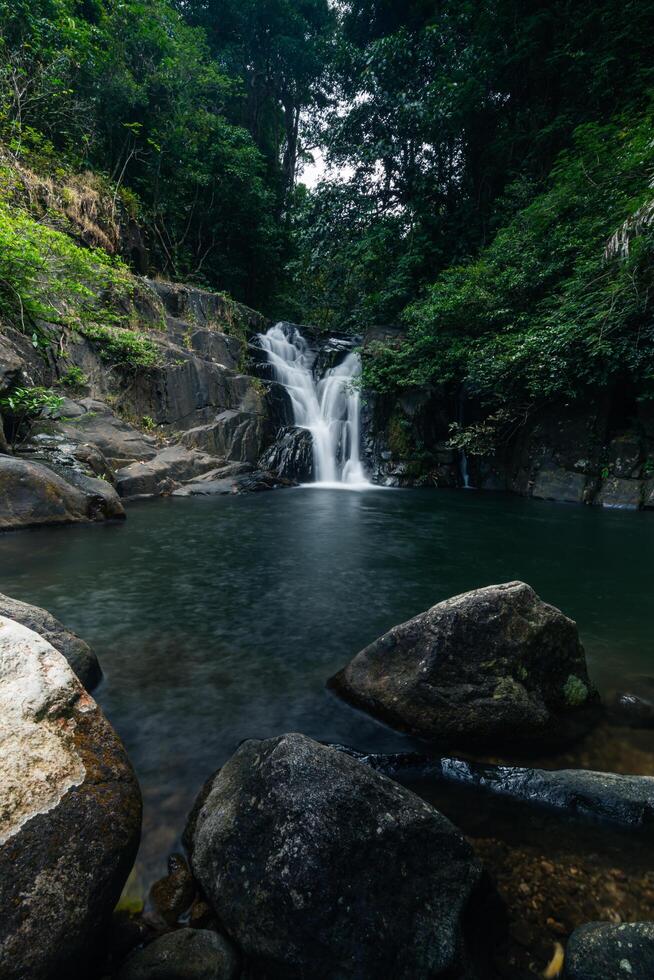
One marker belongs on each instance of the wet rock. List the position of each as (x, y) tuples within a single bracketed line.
[(291, 455), (234, 435), (71, 815), (172, 896), (163, 473), (249, 481), (187, 954), (32, 494), (603, 951), (493, 667), (555, 483), (626, 801), (620, 494), (631, 711), (625, 455), (78, 653), (319, 867)]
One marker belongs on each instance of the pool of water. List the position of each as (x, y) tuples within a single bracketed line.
[(220, 619)]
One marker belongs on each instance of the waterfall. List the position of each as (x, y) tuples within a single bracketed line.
[(329, 408)]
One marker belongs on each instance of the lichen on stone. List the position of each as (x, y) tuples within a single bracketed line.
[(575, 691)]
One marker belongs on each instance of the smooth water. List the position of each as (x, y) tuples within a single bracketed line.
[(216, 619), (329, 407)]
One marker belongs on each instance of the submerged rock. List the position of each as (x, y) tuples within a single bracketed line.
[(71, 815), (172, 896), (492, 667), (631, 711), (33, 495), (603, 951), (78, 653), (188, 954), (627, 801), (320, 868)]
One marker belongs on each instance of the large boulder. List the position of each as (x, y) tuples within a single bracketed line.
[(71, 814), (188, 954), (33, 495), (78, 653), (162, 473), (603, 951), (496, 667), (319, 867)]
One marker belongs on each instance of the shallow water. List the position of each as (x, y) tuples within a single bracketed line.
[(219, 619)]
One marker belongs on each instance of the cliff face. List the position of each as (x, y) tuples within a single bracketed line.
[(194, 412), (600, 452)]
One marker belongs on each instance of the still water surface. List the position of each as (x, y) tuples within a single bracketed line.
[(220, 619)]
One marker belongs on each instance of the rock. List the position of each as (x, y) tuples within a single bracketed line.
[(320, 868), (71, 815), (493, 667), (172, 896), (187, 954), (648, 495), (162, 473), (33, 495), (626, 801), (234, 435), (620, 494), (631, 711), (291, 455), (250, 481), (119, 442), (555, 483), (603, 951), (79, 655), (625, 455), (11, 365)]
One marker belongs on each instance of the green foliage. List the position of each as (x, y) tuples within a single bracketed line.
[(23, 406), (122, 347), (45, 278), (30, 402), (543, 313), (73, 378), (132, 89)]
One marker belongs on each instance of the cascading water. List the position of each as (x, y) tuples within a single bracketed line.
[(329, 408)]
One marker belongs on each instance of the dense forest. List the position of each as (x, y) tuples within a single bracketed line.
[(486, 190)]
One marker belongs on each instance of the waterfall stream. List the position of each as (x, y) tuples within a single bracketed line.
[(330, 407)]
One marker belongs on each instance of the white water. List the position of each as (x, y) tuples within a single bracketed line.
[(330, 408)]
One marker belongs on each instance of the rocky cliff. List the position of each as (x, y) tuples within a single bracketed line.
[(192, 411), (600, 452)]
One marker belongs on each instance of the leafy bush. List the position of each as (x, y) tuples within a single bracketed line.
[(122, 347), (23, 406)]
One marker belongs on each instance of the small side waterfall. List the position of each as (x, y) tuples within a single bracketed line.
[(329, 408)]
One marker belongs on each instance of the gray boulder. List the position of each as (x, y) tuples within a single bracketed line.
[(319, 867), (71, 814), (97, 426), (79, 655), (494, 667), (32, 494), (162, 473), (188, 954), (603, 951)]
